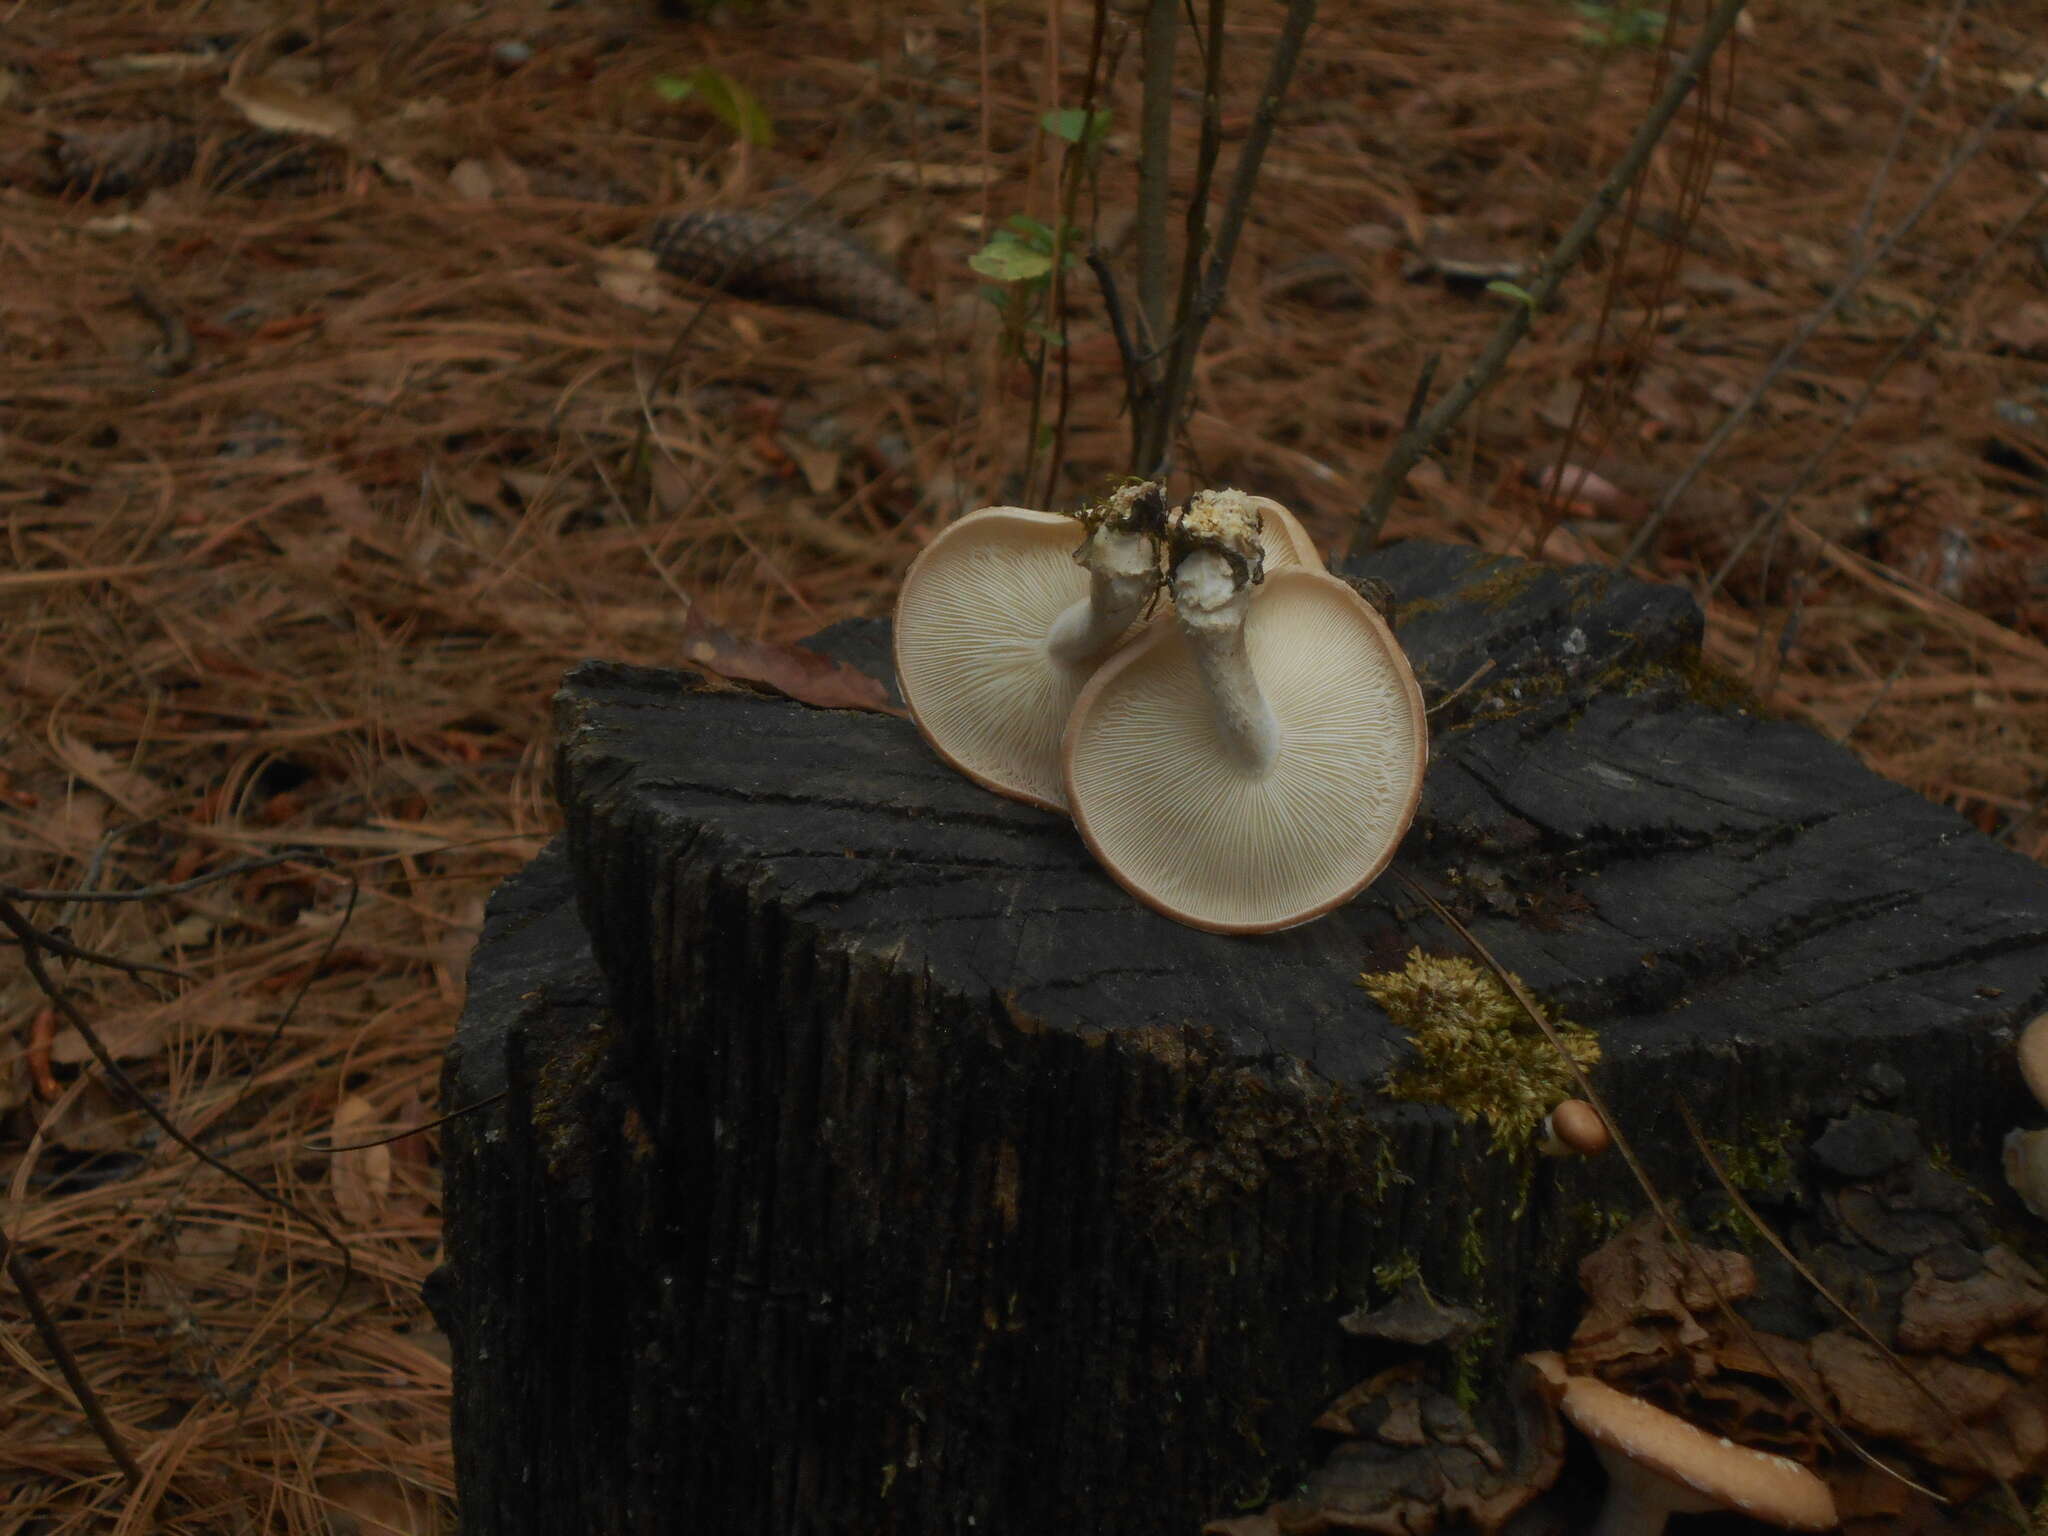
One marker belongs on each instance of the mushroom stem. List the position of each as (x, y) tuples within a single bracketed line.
[(1123, 571), (1212, 596), (1639, 1501), (1121, 556)]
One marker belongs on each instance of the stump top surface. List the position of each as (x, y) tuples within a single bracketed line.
[(1650, 857)]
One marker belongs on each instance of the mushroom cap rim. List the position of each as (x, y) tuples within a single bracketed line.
[(1028, 525), (1760, 1484)]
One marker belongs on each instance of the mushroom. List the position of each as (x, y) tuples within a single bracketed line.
[(1001, 619), (2026, 1169), (1254, 764), (1658, 1465), (2033, 1053), (2026, 1152), (1574, 1127)]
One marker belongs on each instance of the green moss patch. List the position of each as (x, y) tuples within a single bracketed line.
[(1481, 1054)]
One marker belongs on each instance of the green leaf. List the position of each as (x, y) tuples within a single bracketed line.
[(1035, 234), (732, 103), (1045, 333), (1515, 291), (1076, 126), (1009, 261)]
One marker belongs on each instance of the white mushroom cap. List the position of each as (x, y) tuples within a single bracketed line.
[(1659, 1465), (2033, 1053), (1573, 1127), (1213, 843), (972, 620), (1283, 538)]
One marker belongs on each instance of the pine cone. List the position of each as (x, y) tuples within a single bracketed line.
[(782, 260)]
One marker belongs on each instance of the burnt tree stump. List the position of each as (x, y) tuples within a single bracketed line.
[(867, 1161)]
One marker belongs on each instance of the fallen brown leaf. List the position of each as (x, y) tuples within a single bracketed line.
[(790, 670), (362, 1175)]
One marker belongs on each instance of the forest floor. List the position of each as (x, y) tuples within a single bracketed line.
[(325, 449)]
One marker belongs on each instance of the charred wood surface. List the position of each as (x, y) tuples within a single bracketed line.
[(868, 1161)]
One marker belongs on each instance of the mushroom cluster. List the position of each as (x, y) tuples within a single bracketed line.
[(1950, 1383), (1243, 766)]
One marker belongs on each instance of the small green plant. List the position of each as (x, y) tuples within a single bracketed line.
[(1027, 262), (727, 100), (1021, 258), (1515, 291)]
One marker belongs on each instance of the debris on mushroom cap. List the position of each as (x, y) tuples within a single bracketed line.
[(1757, 1483), (1574, 1126), (1195, 834), (1227, 521), (2033, 1053), (1138, 506), (972, 625)]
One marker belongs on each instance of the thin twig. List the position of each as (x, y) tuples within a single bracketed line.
[(24, 893), (1851, 281), (1936, 57), (1187, 339), (1410, 447), (1155, 133), (67, 1363), (1855, 1321), (1420, 397), (1954, 289), (34, 941)]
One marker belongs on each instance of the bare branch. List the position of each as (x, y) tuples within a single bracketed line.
[(1187, 339), (1851, 281), (1410, 447), (1771, 520), (1155, 131), (67, 1363)]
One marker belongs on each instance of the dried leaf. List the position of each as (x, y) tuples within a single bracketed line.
[(790, 670), (1873, 1398), (1951, 1316), (915, 173), (90, 1118), (362, 1175), (280, 108), (76, 823), (130, 790), (1637, 1276), (208, 1244), (472, 179), (2023, 330), (820, 465), (629, 276)]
